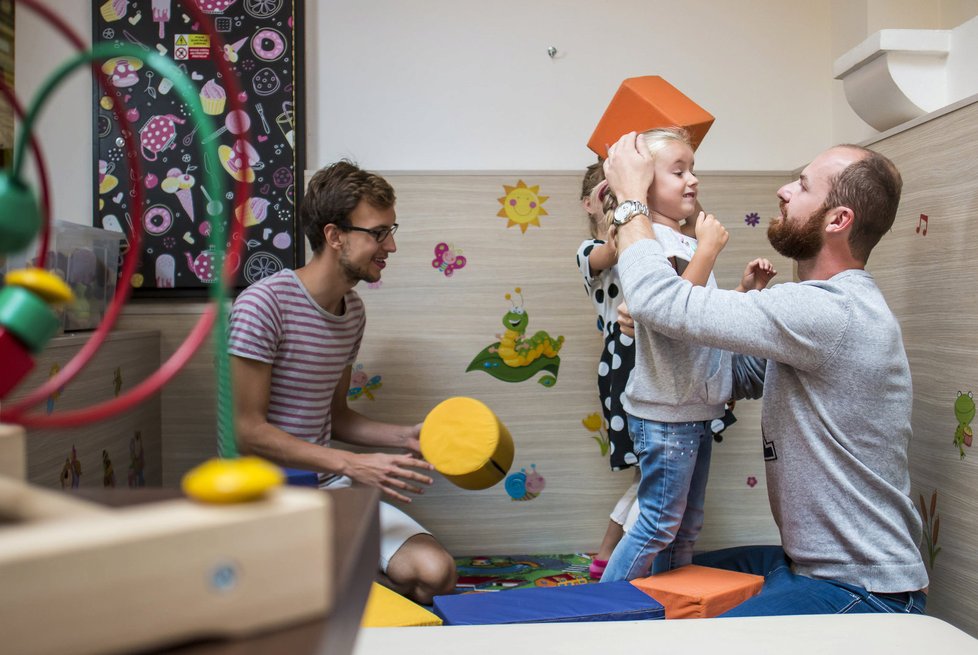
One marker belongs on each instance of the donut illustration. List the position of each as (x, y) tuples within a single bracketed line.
[(157, 220), (268, 44)]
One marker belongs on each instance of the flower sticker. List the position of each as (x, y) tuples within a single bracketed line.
[(752, 219)]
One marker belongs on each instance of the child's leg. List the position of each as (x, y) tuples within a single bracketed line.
[(616, 523), (667, 454), (680, 551)]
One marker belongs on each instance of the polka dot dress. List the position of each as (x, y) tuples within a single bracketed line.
[(617, 356)]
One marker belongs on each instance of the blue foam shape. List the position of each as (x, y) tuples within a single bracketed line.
[(608, 601), (301, 478)]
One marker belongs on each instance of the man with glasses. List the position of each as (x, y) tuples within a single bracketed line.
[(294, 338)]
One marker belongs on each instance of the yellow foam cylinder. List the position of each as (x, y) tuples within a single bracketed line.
[(466, 443)]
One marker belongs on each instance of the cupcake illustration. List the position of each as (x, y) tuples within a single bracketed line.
[(213, 97), (113, 10), (253, 212)]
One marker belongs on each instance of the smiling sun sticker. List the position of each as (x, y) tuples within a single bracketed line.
[(522, 205)]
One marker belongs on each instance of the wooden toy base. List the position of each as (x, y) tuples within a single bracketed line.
[(82, 578)]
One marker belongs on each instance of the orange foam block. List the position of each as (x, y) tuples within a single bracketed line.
[(645, 103), (699, 592)]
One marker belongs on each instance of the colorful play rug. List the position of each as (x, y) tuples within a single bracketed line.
[(502, 572)]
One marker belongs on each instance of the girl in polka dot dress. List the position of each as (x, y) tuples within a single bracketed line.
[(596, 260)]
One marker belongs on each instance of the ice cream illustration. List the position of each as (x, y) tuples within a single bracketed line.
[(179, 183), (161, 13)]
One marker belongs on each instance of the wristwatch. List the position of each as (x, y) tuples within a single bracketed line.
[(626, 210)]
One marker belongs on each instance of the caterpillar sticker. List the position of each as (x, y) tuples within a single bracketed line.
[(515, 358)]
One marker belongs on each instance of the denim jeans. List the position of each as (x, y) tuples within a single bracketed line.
[(786, 593), (674, 459)]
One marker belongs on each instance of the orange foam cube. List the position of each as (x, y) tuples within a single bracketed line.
[(644, 103), (699, 592)]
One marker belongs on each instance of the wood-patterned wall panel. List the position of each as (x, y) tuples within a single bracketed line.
[(930, 282)]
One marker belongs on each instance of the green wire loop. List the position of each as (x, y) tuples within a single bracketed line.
[(214, 185)]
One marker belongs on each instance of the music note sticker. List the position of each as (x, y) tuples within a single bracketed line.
[(922, 221)]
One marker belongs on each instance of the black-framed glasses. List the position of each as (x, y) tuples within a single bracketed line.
[(379, 234)]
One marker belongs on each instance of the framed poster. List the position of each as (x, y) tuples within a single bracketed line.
[(264, 49)]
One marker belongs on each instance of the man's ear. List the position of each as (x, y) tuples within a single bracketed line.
[(840, 220), (331, 235)]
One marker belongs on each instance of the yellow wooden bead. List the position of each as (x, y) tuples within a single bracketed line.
[(231, 480), (46, 285)]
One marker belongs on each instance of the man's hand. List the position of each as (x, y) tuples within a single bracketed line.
[(392, 474), (628, 169), (710, 233), (757, 274), (625, 321)]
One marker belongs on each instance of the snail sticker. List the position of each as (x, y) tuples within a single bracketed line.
[(447, 259), (522, 205), (525, 486), (516, 358), (361, 386), (964, 411)]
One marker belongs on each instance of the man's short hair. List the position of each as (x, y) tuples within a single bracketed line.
[(334, 192), (871, 188)]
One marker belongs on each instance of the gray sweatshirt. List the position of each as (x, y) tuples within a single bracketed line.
[(676, 380), (836, 416)]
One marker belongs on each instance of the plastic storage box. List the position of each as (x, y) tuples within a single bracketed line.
[(88, 260)]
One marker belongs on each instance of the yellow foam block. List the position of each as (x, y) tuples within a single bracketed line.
[(698, 592), (465, 442), (645, 103), (388, 609)]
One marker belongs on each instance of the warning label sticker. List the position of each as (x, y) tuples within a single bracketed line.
[(191, 46)]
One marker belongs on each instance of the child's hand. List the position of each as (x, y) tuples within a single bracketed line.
[(710, 233), (625, 321), (757, 274)]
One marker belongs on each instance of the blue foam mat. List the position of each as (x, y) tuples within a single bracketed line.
[(611, 601)]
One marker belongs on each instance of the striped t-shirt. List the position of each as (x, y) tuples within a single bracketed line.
[(276, 321)]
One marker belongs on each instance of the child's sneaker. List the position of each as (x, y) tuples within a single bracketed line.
[(596, 570)]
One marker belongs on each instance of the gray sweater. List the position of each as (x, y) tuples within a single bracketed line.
[(676, 380), (836, 415)]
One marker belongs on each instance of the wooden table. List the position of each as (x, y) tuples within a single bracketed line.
[(780, 635)]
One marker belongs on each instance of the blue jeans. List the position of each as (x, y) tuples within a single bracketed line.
[(786, 593), (674, 459)]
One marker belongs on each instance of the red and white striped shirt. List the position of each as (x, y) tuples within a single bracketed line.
[(276, 321)]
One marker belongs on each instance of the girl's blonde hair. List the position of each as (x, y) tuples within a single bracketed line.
[(654, 140)]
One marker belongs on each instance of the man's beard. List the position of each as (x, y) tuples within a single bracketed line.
[(794, 241), (355, 274)]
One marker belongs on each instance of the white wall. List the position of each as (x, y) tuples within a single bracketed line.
[(444, 84), (460, 85)]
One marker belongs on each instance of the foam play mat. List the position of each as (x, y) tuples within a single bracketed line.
[(502, 572)]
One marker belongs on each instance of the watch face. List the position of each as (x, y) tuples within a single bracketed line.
[(626, 210)]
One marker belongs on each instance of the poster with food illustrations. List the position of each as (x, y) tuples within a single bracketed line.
[(258, 41)]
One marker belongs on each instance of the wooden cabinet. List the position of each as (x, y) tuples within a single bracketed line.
[(125, 448)]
